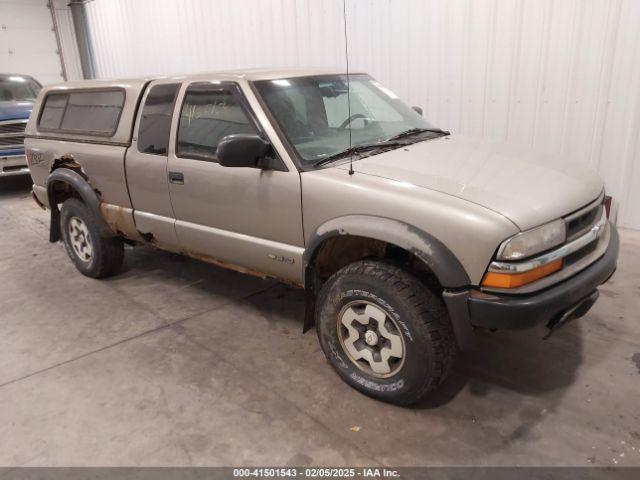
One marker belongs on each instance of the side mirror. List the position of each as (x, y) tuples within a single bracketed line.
[(242, 150), (418, 110)]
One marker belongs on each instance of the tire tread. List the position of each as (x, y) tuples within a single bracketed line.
[(426, 304), (111, 250)]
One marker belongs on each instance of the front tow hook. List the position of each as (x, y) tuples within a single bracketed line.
[(578, 310)]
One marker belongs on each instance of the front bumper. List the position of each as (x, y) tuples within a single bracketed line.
[(515, 312), (11, 165)]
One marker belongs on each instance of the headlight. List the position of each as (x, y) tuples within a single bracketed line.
[(533, 241)]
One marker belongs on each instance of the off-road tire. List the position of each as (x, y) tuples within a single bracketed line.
[(107, 254), (429, 343)]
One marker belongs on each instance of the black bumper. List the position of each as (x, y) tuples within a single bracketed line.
[(517, 312), (474, 308)]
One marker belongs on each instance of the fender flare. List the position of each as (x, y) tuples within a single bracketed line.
[(435, 254), (87, 194)]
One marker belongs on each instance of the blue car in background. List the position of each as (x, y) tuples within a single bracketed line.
[(17, 94)]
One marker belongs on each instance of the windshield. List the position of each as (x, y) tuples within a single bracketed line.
[(15, 88), (313, 113)]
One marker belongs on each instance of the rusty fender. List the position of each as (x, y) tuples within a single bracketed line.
[(120, 220)]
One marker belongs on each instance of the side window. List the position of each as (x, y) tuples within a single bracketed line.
[(53, 110), (207, 116), (90, 112), (93, 112), (155, 123)]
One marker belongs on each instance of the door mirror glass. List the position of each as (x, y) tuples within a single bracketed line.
[(243, 150)]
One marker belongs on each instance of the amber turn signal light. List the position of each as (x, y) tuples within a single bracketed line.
[(514, 280)]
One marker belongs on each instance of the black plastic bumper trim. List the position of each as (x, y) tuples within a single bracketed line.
[(520, 312)]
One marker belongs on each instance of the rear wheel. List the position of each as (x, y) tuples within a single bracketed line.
[(93, 255), (384, 332)]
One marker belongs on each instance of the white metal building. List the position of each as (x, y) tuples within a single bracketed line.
[(559, 76)]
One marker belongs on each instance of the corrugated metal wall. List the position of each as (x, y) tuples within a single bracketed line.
[(67, 35), (558, 75)]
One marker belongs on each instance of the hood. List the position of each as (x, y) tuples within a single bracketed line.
[(526, 187), (15, 110)]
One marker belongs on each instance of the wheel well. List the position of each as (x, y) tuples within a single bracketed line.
[(337, 252), (67, 180), (60, 190), (410, 248)]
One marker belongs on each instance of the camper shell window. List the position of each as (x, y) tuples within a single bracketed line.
[(89, 112)]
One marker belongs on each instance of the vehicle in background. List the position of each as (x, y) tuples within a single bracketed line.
[(405, 237), (17, 94)]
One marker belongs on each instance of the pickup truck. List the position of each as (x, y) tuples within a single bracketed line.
[(405, 238), (17, 94)]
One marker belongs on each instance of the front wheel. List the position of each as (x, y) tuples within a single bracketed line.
[(93, 255), (384, 332)]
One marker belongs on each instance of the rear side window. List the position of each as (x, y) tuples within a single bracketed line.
[(88, 112), (155, 124), (207, 116), (53, 110)]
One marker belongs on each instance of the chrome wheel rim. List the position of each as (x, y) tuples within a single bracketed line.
[(80, 239), (371, 338)]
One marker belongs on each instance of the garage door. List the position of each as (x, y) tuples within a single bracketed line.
[(27, 40)]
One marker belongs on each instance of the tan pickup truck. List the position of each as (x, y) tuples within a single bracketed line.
[(405, 238)]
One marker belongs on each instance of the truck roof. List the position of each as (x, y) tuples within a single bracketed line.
[(250, 74), (134, 88)]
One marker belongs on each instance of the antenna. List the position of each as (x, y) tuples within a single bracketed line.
[(346, 54)]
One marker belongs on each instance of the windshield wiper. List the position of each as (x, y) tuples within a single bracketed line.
[(416, 131), (357, 149)]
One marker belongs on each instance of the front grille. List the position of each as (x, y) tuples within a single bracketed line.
[(12, 127), (13, 168), (15, 140), (12, 133), (581, 253), (579, 225)]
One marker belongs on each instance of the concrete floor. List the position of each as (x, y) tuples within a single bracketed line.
[(176, 362)]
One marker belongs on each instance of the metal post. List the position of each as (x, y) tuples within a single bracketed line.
[(57, 34), (85, 47)]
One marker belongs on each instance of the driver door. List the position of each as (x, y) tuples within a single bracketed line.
[(247, 217)]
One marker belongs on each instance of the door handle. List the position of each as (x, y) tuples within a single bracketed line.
[(176, 177)]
